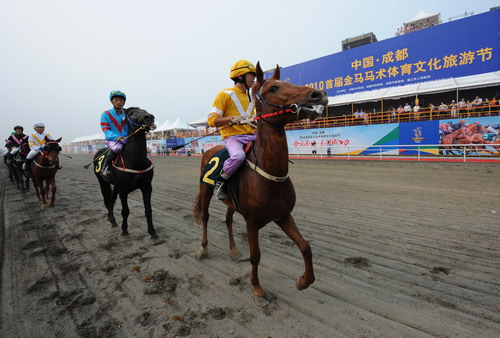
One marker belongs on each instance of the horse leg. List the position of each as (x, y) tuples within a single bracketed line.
[(229, 223), (253, 242), (125, 212), (43, 192), (202, 215), (146, 190), (290, 228), (109, 195), (53, 189)]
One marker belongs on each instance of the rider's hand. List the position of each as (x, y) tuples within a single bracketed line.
[(120, 138), (237, 119)]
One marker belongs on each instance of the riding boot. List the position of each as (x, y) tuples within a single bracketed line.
[(58, 165), (27, 163), (106, 171), (221, 191)]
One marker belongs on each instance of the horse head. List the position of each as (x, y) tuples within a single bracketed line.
[(291, 102), (51, 149), (138, 117)]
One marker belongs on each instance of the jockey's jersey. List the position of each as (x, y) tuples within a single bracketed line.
[(114, 125), (16, 140), (232, 102), (37, 139)]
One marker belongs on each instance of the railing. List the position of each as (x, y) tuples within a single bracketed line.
[(463, 152), (424, 114)]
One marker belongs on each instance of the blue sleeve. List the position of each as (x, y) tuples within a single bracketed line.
[(106, 125)]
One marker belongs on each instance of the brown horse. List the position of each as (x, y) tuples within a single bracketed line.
[(266, 194), (43, 171)]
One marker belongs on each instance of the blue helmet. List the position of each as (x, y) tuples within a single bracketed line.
[(117, 93)]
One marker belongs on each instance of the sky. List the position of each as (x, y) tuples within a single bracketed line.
[(59, 59)]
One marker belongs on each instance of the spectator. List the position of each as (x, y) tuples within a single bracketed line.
[(416, 112), (453, 107), (400, 111), (442, 108), (461, 106), (314, 149), (469, 106), (431, 110)]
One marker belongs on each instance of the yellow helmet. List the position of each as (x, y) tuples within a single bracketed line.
[(241, 67)]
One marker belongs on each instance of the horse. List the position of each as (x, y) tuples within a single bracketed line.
[(132, 170), (266, 193), (22, 180), (455, 137), (43, 171)]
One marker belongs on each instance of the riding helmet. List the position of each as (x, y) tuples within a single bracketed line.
[(240, 68), (18, 127), (39, 124), (117, 93)]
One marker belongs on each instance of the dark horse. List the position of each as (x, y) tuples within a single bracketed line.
[(22, 180), (266, 194), (131, 170), (43, 170)]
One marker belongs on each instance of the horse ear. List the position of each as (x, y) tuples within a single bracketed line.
[(276, 74), (46, 139), (259, 74), (59, 139)]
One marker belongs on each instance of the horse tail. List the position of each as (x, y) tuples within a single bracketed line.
[(197, 209)]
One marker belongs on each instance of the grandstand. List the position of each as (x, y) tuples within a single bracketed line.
[(438, 73)]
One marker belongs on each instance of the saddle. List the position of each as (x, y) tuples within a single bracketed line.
[(212, 171)]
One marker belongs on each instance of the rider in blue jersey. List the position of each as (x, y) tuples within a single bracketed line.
[(114, 126)]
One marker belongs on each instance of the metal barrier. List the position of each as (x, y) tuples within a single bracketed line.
[(463, 152)]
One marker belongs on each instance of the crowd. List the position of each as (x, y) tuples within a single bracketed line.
[(453, 109), (412, 27)]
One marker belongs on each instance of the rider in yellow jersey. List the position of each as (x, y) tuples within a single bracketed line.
[(232, 106), (36, 142)]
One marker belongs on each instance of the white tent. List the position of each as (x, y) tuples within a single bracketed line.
[(87, 138), (165, 126), (421, 16), (179, 124), (199, 123)]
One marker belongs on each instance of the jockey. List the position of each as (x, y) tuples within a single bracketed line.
[(459, 125), (36, 142), (8, 145), (17, 139), (231, 106), (114, 126)]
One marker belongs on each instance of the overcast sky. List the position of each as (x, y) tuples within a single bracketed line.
[(59, 59)]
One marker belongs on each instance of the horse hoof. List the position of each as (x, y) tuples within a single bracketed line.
[(261, 301), (235, 257), (156, 241), (202, 253)]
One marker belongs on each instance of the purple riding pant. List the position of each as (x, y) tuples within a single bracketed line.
[(234, 145), (115, 146)]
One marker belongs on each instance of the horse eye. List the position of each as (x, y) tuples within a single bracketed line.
[(273, 89)]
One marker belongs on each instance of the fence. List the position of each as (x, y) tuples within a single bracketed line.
[(462, 152)]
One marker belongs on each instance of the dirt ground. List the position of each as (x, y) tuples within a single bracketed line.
[(400, 249)]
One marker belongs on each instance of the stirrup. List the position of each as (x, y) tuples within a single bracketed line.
[(220, 191)]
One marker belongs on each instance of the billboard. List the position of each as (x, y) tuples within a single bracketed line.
[(459, 48)]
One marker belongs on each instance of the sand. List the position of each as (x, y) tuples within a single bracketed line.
[(399, 249)]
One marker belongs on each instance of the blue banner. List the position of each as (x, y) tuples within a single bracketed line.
[(459, 48)]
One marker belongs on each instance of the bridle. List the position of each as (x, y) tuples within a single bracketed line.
[(294, 108)]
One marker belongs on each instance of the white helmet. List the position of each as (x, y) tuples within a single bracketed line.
[(39, 124)]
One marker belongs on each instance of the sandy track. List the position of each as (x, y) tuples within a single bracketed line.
[(400, 249)]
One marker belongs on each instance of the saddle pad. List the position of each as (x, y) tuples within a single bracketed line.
[(212, 171), (214, 167)]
